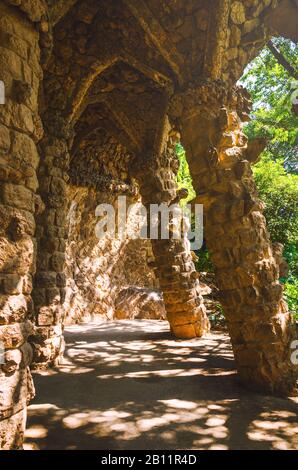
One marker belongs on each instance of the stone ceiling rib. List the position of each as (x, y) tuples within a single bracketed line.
[(123, 121), (99, 121), (216, 37), (157, 35), (76, 101), (59, 9), (146, 69)]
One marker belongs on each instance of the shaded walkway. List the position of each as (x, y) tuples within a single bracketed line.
[(129, 385)]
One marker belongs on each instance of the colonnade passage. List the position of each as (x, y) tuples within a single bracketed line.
[(97, 95)]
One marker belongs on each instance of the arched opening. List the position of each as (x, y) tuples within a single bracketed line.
[(100, 118)]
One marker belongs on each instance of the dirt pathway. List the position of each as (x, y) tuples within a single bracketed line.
[(129, 385)]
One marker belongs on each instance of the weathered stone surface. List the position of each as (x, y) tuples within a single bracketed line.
[(250, 25), (235, 36), (18, 162), (238, 12), (173, 258), (246, 271), (12, 431), (14, 335), (93, 104), (139, 303), (18, 196)]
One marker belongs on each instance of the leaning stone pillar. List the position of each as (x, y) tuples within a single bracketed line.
[(50, 280), (20, 130), (259, 322), (174, 266)]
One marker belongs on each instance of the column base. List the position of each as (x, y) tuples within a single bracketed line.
[(191, 330)]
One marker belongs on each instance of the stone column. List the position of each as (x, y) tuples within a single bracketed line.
[(20, 130), (220, 159), (173, 260), (50, 279)]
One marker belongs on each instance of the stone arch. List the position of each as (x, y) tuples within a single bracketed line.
[(56, 58), (130, 104)]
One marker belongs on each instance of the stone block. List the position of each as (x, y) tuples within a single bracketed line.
[(22, 119), (182, 318), (45, 317), (184, 331), (12, 431), (39, 296), (61, 280), (27, 354), (4, 138), (12, 284), (32, 183), (45, 279), (47, 332), (12, 361), (24, 148), (232, 53), (57, 262), (53, 295), (13, 309), (27, 284), (14, 43), (248, 357), (18, 196), (235, 36), (11, 63), (237, 12), (13, 336)]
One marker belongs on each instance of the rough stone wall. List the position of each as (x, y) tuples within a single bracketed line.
[(245, 36), (98, 270), (51, 233), (20, 130), (79, 277), (116, 66)]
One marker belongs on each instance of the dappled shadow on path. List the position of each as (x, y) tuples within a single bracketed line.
[(130, 385)]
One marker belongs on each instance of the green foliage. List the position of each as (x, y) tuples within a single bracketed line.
[(291, 294), (279, 191), (217, 317), (184, 178), (271, 88), (291, 281), (291, 257), (204, 263)]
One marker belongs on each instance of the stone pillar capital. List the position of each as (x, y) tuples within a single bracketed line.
[(207, 97), (203, 97)]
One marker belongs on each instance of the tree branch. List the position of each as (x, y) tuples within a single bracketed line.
[(282, 60)]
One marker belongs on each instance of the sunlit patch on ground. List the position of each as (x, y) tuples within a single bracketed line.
[(130, 385)]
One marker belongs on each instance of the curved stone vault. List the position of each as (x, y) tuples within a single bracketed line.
[(98, 93)]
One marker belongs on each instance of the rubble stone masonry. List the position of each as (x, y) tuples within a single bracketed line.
[(97, 93)]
